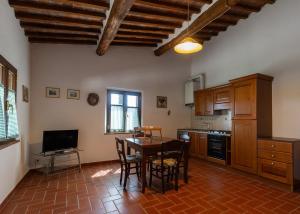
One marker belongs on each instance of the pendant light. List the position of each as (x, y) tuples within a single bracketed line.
[(188, 45)]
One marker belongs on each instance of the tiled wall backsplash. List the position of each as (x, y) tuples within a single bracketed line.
[(217, 122)]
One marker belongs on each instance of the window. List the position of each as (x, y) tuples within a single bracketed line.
[(8, 110), (123, 111)]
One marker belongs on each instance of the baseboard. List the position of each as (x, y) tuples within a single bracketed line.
[(100, 163), (5, 201)]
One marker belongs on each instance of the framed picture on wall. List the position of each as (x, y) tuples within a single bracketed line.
[(73, 94), (52, 92), (162, 102), (25, 94)]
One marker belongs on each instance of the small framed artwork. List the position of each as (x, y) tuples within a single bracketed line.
[(25, 94), (162, 102), (52, 92), (73, 94)]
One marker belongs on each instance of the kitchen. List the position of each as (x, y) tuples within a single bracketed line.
[(232, 126)]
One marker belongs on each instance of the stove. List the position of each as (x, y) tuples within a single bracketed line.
[(219, 132), (217, 144)]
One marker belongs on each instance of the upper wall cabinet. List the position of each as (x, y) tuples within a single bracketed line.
[(223, 97), (204, 102), (244, 99)]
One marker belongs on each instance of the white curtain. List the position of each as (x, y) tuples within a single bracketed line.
[(12, 123), (132, 119), (116, 118), (2, 115)]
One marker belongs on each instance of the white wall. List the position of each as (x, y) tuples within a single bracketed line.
[(14, 47), (267, 42), (78, 67)]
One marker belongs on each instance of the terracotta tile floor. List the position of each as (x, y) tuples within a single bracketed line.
[(212, 189)]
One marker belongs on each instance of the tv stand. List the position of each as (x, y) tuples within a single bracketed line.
[(54, 156)]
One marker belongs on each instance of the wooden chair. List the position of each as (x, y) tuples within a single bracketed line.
[(126, 161), (171, 155), (148, 130)]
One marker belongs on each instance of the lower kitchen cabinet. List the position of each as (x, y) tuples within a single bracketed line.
[(244, 145), (198, 145), (279, 160)]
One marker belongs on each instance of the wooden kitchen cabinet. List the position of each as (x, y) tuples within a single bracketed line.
[(199, 103), (279, 160), (222, 97), (244, 147), (245, 99), (198, 145), (252, 118), (204, 102)]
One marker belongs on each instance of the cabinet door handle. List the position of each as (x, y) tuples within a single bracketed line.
[(273, 146), (272, 156), (272, 163)]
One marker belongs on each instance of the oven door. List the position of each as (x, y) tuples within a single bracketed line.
[(216, 146)]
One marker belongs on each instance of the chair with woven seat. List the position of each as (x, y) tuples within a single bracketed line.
[(168, 162), (126, 161)]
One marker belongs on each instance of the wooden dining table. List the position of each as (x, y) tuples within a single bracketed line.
[(150, 146)]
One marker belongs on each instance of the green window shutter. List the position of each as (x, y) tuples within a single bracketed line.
[(12, 121), (2, 117)]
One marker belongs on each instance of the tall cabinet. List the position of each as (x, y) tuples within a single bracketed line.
[(251, 118)]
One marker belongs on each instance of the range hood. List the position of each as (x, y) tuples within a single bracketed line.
[(192, 85)]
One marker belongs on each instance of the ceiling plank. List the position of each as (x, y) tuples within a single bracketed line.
[(58, 27), (121, 43), (45, 30), (56, 13), (120, 9), (46, 17), (134, 41), (216, 10), (64, 6), (137, 39), (62, 41), (62, 37), (143, 36), (145, 31), (148, 16), (55, 34), (160, 7), (150, 25)]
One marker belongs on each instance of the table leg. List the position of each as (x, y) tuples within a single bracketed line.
[(186, 165), (144, 169)]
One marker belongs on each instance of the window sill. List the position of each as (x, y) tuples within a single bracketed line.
[(117, 133), (7, 143)]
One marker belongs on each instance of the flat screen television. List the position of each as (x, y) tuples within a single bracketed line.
[(59, 140)]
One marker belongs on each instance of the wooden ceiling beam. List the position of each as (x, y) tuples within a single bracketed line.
[(56, 13), (215, 11), (62, 37), (138, 38), (137, 35), (145, 31), (63, 6), (46, 18), (62, 41), (117, 14), (207, 20), (151, 17), (122, 43), (45, 30), (135, 41), (55, 35), (195, 5), (58, 27), (150, 25), (160, 7)]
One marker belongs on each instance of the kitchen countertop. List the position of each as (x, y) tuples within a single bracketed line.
[(280, 139), (204, 131)]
